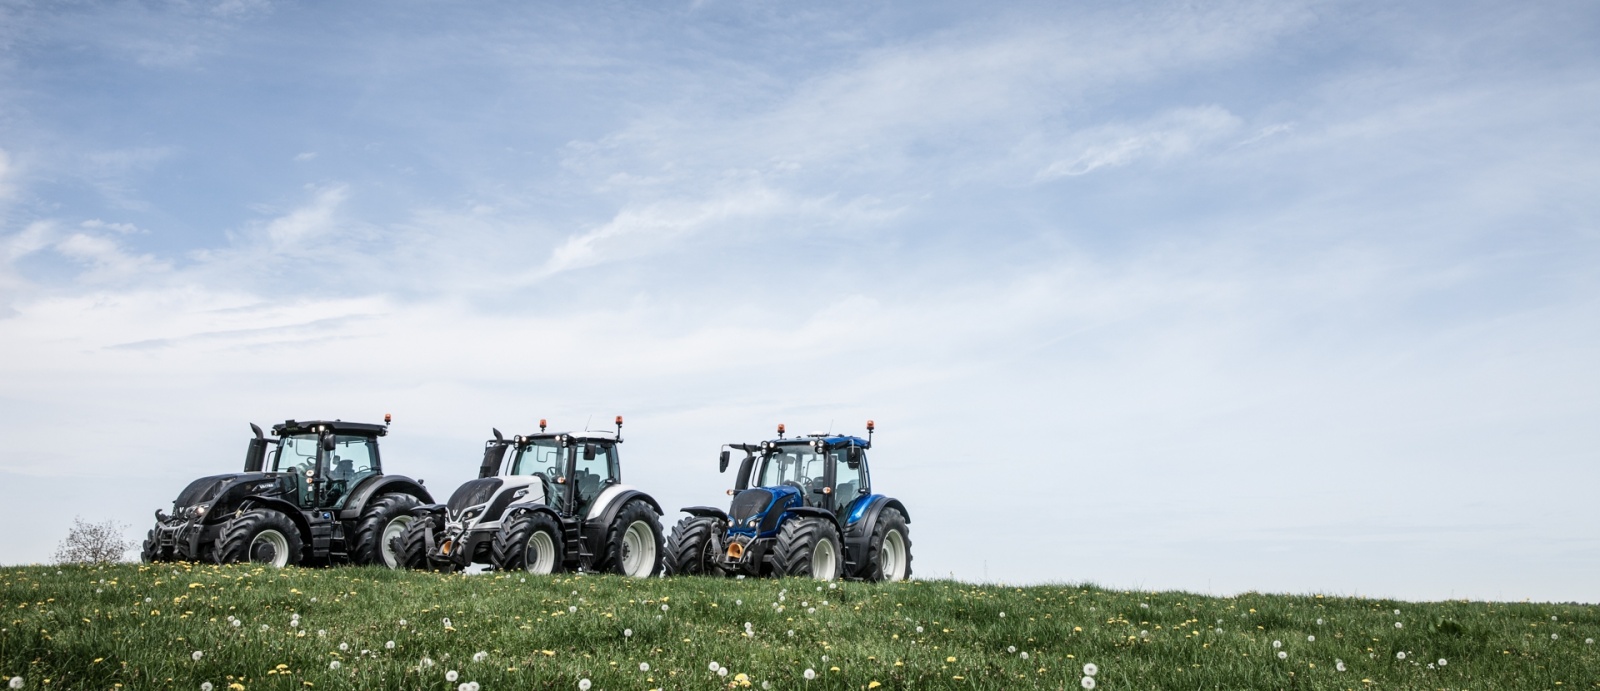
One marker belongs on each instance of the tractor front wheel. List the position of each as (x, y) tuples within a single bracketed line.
[(633, 542), (411, 546), (530, 541), (889, 551), (263, 536), (152, 549), (808, 548), (690, 548), (383, 519)]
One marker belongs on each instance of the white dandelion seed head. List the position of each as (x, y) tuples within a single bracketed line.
[(644, 666), (1282, 655), (713, 666), (334, 665), (445, 621), (1219, 629), (1311, 639), (811, 610), (738, 602), (1024, 654), (1399, 625), (1588, 641), (1090, 669), (1277, 644), (766, 684), (388, 645), (522, 580), (15, 683), (1430, 665), (264, 627), (480, 656), (1338, 665), (236, 623), (1555, 636), (584, 684), (1400, 655), (402, 622), (1144, 634), (809, 674), (294, 623), (572, 610), (1002, 615), (627, 633), (344, 647), (1087, 682), (1319, 621), (1553, 618), (722, 672), (196, 655), (322, 633), (919, 629), (791, 633), (451, 675), (1144, 605), (1011, 648), (147, 601), (664, 608), (204, 686), (425, 663), (1443, 662), (1397, 612)]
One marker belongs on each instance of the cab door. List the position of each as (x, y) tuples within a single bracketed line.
[(850, 484)]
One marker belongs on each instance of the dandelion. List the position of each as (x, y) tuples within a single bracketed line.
[(1338, 665), (1397, 612), (389, 645), (1282, 655), (1400, 655), (1277, 644), (196, 655), (572, 610), (1555, 636), (1588, 641), (15, 683), (445, 621), (791, 633), (1002, 615), (833, 586), (480, 656), (451, 675), (1144, 605), (738, 602), (1399, 625), (722, 672), (584, 684), (1553, 617), (1311, 639), (1319, 621), (1443, 662), (425, 663), (402, 622), (1219, 630), (344, 647), (1090, 670), (1024, 654), (206, 686), (334, 665), (825, 658), (322, 633), (1087, 682), (713, 666), (809, 675), (811, 610), (644, 666), (663, 608), (1011, 648), (264, 627), (235, 623), (919, 629)]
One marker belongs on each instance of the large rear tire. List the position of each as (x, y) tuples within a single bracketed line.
[(382, 520), (262, 536), (530, 542), (411, 546), (808, 548), (633, 542), (889, 550), (689, 549)]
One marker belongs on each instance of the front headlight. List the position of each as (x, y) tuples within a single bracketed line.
[(753, 522), (471, 514)]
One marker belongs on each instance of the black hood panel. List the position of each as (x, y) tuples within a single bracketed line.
[(207, 489), (473, 493)]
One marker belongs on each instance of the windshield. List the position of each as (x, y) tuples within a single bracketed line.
[(539, 456), (796, 464), (296, 454)]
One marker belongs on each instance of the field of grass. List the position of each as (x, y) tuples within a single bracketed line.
[(239, 627)]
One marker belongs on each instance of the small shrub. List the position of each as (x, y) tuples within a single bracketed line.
[(93, 543)]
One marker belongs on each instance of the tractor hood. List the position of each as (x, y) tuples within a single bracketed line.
[(208, 489), (756, 511)]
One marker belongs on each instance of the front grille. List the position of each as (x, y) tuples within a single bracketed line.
[(473, 493), (747, 504), (202, 490)]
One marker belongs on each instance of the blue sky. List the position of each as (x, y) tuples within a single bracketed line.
[(1287, 296)]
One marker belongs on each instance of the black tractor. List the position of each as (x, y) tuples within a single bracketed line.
[(315, 495), (543, 503), (801, 507)]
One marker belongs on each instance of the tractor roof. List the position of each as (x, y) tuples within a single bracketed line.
[(338, 426), (593, 435), (830, 441)]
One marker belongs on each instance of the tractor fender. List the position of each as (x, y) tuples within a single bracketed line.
[(862, 521), (520, 508), (604, 510), (379, 485), (707, 512), (812, 512), (425, 510), (293, 512)]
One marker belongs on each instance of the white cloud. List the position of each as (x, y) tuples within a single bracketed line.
[(305, 155), (1173, 134), (106, 259)]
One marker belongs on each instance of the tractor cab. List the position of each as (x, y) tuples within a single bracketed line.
[(828, 472), (575, 467), (319, 463)]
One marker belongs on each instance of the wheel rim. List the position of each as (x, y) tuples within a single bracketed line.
[(824, 561), (893, 556), (638, 549), (541, 553), (395, 529), (270, 547)]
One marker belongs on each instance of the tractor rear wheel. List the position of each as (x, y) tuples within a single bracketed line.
[(633, 542), (260, 535), (689, 550), (530, 541), (808, 548), (889, 550), (382, 520), (411, 546)]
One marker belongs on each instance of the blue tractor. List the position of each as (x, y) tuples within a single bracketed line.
[(802, 506)]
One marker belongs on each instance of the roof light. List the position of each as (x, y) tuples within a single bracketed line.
[(541, 424), (387, 418), (870, 425), (780, 430)]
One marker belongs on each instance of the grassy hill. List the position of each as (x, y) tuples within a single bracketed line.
[(142, 627)]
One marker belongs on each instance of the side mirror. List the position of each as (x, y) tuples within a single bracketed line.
[(328, 441), (853, 459), (722, 465), (589, 451)]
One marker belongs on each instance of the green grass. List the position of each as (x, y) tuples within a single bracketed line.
[(137, 626)]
